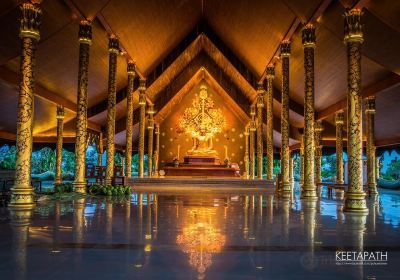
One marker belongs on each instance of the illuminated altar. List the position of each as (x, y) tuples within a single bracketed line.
[(202, 122)]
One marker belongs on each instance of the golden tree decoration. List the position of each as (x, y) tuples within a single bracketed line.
[(202, 120)]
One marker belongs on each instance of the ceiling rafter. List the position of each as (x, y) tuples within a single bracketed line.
[(201, 29), (12, 78), (389, 82), (297, 22)]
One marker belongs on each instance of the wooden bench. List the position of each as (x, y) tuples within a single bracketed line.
[(99, 174)]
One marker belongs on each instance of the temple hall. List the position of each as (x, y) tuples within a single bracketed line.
[(199, 139)]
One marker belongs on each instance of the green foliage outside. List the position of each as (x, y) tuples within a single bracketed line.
[(109, 190), (64, 188), (7, 157), (393, 170), (328, 168)]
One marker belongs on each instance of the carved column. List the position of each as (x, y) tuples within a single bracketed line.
[(355, 195), (85, 40), (339, 119), (377, 168), (260, 105), (246, 152), (285, 53), (129, 119), (156, 149), (150, 128), (309, 40), (270, 122), (252, 130), (142, 120), (113, 49), (59, 145), (22, 192), (370, 125), (100, 150), (291, 170), (302, 160), (318, 150)]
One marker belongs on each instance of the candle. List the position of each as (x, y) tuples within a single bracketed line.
[(179, 147)]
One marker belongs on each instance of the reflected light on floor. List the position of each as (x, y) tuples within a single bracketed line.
[(200, 237)]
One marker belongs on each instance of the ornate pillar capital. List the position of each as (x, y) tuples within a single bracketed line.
[(131, 68), (60, 112), (85, 32), (285, 48), (260, 95), (352, 26), (270, 71), (308, 37), (370, 105), (318, 126), (339, 117), (30, 21), (113, 44)]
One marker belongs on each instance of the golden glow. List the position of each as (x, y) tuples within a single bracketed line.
[(201, 121), (200, 237)]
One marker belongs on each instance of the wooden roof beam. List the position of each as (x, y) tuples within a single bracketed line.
[(12, 78), (392, 80), (297, 22)]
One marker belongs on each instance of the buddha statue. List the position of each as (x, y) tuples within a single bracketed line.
[(202, 121)]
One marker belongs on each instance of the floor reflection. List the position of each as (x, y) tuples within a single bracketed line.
[(201, 237), (197, 236)]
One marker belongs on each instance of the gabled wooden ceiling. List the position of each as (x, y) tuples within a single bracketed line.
[(239, 37)]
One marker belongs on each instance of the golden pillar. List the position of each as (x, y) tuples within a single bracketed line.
[(142, 120), (252, 130), (355, 195), (339, 119), (129, 119), (85, 40), (371, 161), (318, 150), (302, 160), (113, 49), (59, 145), (270, 122), (291, 170), (150, 128), (156, 149), (309, 40), (260, 105), (285, 154), (22, 192), (100, 150), (377, 168), (246, 152)]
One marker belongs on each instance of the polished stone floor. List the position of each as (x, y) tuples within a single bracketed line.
[(199, 235)]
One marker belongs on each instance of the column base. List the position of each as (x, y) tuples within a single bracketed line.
[(372, 189), (156, 174), (286, 190), (355, 203), (79, 187), (22, 198), (309, 193)]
